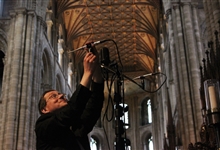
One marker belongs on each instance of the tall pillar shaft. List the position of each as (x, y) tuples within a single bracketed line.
[(27, 77), (193, 71), (216, 13), (211, 21), (13, 62), (17, 119), (181, 68)]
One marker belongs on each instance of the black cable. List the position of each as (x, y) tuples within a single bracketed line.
[(160, 85), (117, 51), (152, 75), (118, 73), (110, 101)]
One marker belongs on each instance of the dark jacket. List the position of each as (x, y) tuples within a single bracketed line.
[(67, 128)]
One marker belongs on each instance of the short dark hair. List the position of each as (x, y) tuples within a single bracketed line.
[(42, 102)]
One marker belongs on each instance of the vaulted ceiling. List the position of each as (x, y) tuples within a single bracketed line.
[(129, 26)]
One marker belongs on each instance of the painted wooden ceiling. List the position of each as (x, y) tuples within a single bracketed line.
[(130, 28)]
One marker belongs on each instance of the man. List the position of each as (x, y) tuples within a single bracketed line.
[(64, 125)]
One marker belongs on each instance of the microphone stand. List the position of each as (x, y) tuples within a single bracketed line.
[(119, 125)]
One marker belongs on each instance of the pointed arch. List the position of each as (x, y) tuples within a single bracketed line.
[(146, 116), (96, 140), (46, 72), (3, 47), (60, 83), (147, 140)]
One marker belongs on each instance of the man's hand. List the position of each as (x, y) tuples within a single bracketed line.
[(97, 75), (92, 68), (90, 64)]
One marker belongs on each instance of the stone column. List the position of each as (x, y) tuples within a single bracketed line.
[(174, 86), (70, 75), (49, 25), (60, 52), (12, 85), (49, 30), (216, 13), (193, 74), (24, 107), (207, 19), (199, 46), (181, 68), (211, 21), (39, 28), (199, 51)]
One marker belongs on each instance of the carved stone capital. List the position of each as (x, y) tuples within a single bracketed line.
[(20, 11), (31, 13), (175, 6), (168, 13)]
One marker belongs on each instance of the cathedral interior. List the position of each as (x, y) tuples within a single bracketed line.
[(163, 62)]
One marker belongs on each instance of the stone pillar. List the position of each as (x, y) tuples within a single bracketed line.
[(181, 68), (49, 25), (193, 76), (216, 13), (12, 86), (24, 118), (199, 51), (60, 52), (70, 75), (1, 8), (172, 48), (39, 27), (49, 30), (211, 21), (199, 45), (207, 20), (21, 83)]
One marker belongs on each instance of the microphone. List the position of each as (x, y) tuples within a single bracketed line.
[(89, 45), (143, 76), (105, 60)]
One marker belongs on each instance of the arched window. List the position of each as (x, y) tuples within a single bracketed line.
[(58, 85), (125, 115), (94, 143), (2, 56), (127, 144), (45, 72), (146, 115), (149, 111), (148, 143), (70, 74), (1, 7)]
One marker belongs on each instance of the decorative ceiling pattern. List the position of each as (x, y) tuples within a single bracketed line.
[(131, 24)]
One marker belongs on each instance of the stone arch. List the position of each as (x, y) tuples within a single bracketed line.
[(144, 139), (144, 115), (3, 40), (2, 56), (98, 138), (46, 72), (3, 48), (60, 84)]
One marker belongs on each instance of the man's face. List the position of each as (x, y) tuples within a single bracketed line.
[(54, 101)]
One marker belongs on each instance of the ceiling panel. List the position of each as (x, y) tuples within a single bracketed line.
[(132, 24)]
